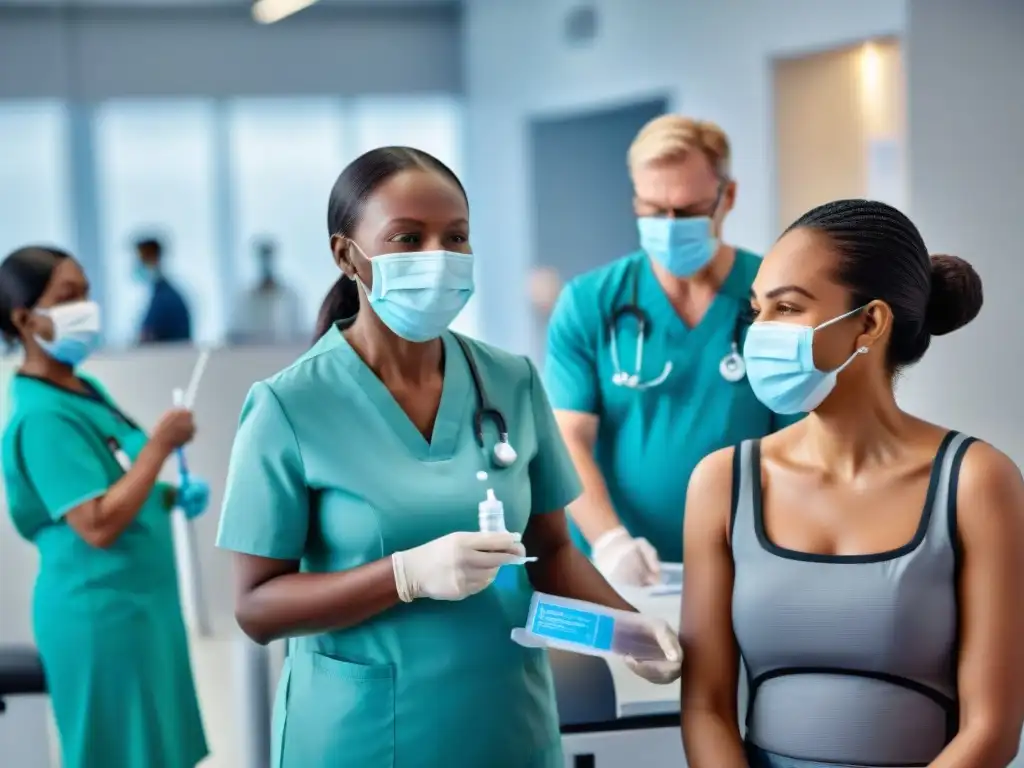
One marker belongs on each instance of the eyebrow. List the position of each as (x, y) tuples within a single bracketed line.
[(702, 203), (775, 293), (460, 222)]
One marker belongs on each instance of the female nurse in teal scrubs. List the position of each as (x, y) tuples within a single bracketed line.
[(352, 504), (81, 481)]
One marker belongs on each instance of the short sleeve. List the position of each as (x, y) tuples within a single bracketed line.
[(553, 477), (60, 462), (266, 501), (570, 368)]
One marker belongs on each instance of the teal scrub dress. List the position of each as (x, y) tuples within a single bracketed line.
[(107, 622), (328, 470), (650, 440)]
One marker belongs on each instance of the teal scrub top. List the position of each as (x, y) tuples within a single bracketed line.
[(327, 469), (107, 622), (650, 440)]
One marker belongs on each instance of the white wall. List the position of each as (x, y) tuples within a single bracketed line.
[(92, 54), (711, 59), (966, 170), (141, 381)]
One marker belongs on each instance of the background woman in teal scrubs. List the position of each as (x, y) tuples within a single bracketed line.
[(352, 504), (81, 481)]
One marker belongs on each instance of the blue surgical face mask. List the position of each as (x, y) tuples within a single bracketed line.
[(76, 331), (418, 295), (144, 274), (780, 366), (682, 246)]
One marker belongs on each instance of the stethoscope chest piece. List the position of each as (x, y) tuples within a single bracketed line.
[(504, 454), (732, 367)]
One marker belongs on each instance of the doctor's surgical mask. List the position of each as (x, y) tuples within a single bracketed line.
[(418, 295), (76, 331), (682, 246), (780, 366)]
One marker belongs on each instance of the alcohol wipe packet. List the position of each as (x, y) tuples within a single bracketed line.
[(587, 628)]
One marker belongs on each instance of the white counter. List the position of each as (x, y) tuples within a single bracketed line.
[(634, 695)]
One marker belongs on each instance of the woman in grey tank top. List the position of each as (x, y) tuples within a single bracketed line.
[(866, 565)]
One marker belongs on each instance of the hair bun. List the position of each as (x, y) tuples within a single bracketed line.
[(956, 295)]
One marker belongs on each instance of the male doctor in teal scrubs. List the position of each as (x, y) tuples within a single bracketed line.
[(635, 433)]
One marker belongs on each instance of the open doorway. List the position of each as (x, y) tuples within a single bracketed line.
[(581, 193), (839, 127)]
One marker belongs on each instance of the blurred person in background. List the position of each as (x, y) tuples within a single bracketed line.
[(167, 316), (637, 421), (269, 312), (81, 480), (865, 564)]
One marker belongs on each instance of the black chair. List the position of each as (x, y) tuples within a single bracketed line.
[(21, 672)]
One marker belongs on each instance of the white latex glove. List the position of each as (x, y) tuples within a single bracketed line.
[(626, 561), (660, 672), (454, 566)]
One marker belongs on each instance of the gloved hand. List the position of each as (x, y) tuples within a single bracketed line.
[(454, 566), (626, 561), (660, 672), (194, 498)]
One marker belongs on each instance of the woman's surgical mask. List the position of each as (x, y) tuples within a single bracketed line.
[(780, 366), (682, 246), (418, 295), (76, 331)]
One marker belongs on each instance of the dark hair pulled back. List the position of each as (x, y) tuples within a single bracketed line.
[(24, 275), (348, 197), (883, 257)]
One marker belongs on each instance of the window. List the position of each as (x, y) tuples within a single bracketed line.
[(155, 175), (211, 179), (285, 156), (35, 200), (433, 124)]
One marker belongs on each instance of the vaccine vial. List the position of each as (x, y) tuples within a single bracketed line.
[(491, 514)]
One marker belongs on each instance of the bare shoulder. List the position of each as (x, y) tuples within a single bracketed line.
[(713, 472), (709, 495), (990, 492)]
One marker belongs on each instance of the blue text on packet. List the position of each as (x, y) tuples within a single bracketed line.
[(573, 625)]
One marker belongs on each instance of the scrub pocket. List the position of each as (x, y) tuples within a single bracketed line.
[(337, 713)]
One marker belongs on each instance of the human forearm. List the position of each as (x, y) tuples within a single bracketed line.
[(102, 521), (564, 570), (306, 603), (710, 740), (593, 511), (978, 748)]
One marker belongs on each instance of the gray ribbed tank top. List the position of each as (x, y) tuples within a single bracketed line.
[(849, 659)]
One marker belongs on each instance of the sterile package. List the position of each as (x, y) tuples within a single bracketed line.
[(672, 574), (671, 581), (587, 628)]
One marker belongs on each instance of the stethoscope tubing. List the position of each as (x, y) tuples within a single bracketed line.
[(731, 367)]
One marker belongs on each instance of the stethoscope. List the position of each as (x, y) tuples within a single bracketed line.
[(503, 455), (731, 368)]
